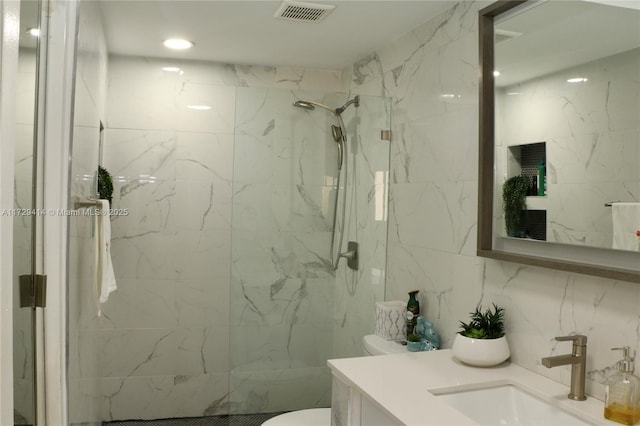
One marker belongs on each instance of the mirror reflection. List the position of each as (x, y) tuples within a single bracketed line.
[(567, 123)]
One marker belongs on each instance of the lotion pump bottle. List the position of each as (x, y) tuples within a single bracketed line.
[(622, 394)]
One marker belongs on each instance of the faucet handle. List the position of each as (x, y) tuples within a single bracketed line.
[(577, 339)]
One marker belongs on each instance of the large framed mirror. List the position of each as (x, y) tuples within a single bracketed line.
[(560, 132)]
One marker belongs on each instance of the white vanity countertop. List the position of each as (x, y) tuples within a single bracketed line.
[(400, 385)]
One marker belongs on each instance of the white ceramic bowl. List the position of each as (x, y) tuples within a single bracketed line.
[(480, 352)]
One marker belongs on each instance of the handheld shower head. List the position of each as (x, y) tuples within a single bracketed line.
[(304, 104)]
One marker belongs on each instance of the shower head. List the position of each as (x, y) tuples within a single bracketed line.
[(310, 105), (304, 104)]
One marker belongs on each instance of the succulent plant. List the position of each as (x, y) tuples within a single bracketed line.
[(484, 325)]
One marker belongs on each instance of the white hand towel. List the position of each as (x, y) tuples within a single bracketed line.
[(105, 276), (626, 224)]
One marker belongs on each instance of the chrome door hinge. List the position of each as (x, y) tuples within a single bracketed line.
[(33, 291)]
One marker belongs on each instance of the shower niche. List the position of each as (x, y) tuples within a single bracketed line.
[(530, 160)]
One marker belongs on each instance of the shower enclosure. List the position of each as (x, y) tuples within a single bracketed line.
[(227, 302)]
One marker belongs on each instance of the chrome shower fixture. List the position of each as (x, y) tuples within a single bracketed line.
[(355, 101), (311, 105), (336, 132), (304, 104), (339, 134)]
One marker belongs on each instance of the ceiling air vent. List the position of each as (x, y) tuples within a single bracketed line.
[(303, 11), (504, 35)]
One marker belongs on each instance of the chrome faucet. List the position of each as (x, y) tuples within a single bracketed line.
[(578, 361)]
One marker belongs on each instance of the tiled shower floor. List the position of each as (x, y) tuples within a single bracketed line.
[(243, 420)]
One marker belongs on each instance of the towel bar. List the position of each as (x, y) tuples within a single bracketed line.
[(82, 203)]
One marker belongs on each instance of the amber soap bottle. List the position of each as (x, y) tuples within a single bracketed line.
[(622, 394)]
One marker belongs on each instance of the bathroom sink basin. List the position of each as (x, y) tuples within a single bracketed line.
[(506, 405)]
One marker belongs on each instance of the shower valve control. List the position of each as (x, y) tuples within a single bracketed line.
[(351, 255)]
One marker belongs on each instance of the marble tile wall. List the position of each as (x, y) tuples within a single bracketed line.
[(591, 131), (165, 337), (83, 354), (213, 306), (433, 207)]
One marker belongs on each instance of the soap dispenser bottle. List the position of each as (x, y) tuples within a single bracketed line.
[(622, 394), (413, 311)]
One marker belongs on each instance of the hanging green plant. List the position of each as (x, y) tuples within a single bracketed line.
[(105, 185), (514, 200)]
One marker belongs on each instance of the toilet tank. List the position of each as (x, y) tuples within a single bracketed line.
[(376, 345)]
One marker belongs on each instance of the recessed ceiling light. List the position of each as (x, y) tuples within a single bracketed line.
[(496, 73), (171, 69), (34, 31), (178, 43), (199, 107), (577, 80), (450, 96), (514, 93)]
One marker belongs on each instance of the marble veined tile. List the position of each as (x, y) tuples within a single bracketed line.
[(148, 205), (164, 396), (166, 255), (203, 303), (273, 389), (288, 141), (287, 302), (259, 347), (201, 206), (303, 208), (204, 156), (157, 352), (140, 103), (220, 100), (437, 215), (276, 253), (140, 303), (144, 154), (308, 79)]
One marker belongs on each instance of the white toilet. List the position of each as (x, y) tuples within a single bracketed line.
[(371, 345)]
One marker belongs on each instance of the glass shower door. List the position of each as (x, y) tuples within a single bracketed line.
[(289, 310), (281, 279), (24, 315)]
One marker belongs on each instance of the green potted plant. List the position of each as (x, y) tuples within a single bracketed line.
[(482, 341), (105, 185), (514, 200)]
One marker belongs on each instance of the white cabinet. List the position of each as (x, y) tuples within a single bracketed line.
[(349, 407)]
